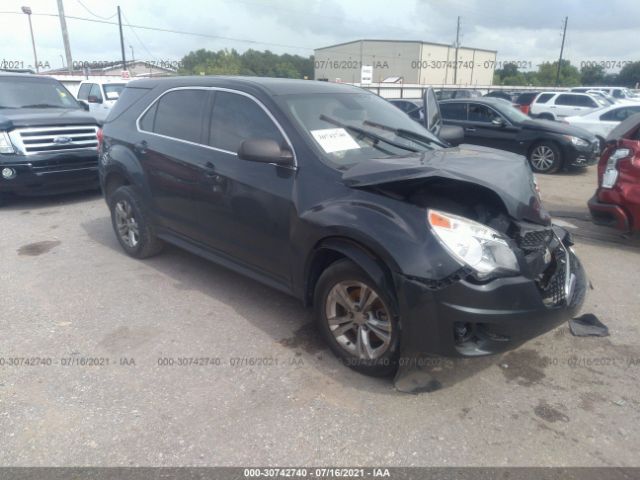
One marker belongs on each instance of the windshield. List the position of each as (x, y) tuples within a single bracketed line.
[(113, 90), (348, 128), (30, 92)]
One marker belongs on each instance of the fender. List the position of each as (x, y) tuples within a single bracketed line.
[(359, 254), (119, 159)]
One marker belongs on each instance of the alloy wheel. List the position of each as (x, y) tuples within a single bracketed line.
[(359, 320), (126, 224), (542, 157)]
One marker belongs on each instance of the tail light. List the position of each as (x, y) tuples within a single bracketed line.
[(611, 170), (100, 137), (525, 109)]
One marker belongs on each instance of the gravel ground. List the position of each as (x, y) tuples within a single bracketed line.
[(71, 296)]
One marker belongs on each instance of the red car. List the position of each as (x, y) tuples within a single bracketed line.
[(616, 202)]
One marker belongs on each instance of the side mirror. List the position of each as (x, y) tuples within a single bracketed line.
[(498, 122), (84, 105), (265, 150), (451, 134), (94, 99)]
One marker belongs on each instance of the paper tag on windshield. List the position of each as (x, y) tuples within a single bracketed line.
[(334, 139)]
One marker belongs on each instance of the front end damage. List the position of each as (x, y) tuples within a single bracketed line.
[(461, 313)]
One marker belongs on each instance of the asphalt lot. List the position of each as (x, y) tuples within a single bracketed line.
[(68, 293)]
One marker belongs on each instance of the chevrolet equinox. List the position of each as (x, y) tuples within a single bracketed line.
[(401, 243)]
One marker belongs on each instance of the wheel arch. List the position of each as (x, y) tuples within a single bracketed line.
[(329, 250)]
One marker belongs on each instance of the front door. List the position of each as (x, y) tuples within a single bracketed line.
[(245, 207)]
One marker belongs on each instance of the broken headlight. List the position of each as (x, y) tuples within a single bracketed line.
[(482, 248)]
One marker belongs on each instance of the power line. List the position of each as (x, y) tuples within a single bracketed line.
[(95, 15), (137, 37), (168, 30)]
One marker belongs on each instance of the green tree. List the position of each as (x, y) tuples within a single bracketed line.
[(592, 75), (251, 62), (629, 76), (569, 75)]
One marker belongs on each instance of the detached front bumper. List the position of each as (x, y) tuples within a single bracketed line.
[(466, 319), (49, 173)]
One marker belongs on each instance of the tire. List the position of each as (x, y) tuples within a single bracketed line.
[(545, 157), (546, 116), (344, 283), (132, 225)]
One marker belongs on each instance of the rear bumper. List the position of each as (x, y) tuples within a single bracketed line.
[(51, 173), (608, 214), (467, 319)]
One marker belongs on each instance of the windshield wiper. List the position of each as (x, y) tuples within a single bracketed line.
[(43, 105), (367, 133), (404, 133), (4, 106)]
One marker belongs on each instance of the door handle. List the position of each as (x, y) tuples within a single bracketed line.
[(469, 129), (141, 147), (210, 172)]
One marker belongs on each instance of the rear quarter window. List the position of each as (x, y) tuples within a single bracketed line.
[(129, 97)]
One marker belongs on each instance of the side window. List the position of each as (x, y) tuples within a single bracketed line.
[(83, 91), (617, 93), (566, 99), (179, 114), (619, 114), (454, 111), (544, 97), (95, 91), (481, 113), (236, 118)]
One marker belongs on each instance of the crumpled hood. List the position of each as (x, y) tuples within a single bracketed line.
[(506, 174), (37, 117)]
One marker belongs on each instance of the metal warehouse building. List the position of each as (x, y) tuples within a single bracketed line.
[(408, 61)]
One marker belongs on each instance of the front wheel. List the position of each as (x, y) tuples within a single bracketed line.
[(545, 157), (357, 319)]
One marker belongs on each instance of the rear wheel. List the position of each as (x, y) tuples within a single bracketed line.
[(132, 224), (357, 319), (545, 157)]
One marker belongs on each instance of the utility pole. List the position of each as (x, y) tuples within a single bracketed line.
[(27, 12), (124, 60), (455, 67), (564, 34), (65, 36)]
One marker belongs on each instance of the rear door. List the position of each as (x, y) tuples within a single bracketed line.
[(244, 207), (568, 104), (171, 149)]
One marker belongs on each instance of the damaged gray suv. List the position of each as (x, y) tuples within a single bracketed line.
[(399, 242)]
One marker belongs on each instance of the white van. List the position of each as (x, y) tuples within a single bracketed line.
[(101, 95)]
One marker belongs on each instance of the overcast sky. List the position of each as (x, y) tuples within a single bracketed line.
[(517, 29)]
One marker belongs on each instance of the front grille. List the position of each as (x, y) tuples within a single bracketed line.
[(65, 164), (53, 139), (552, 285), (535, 240)]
